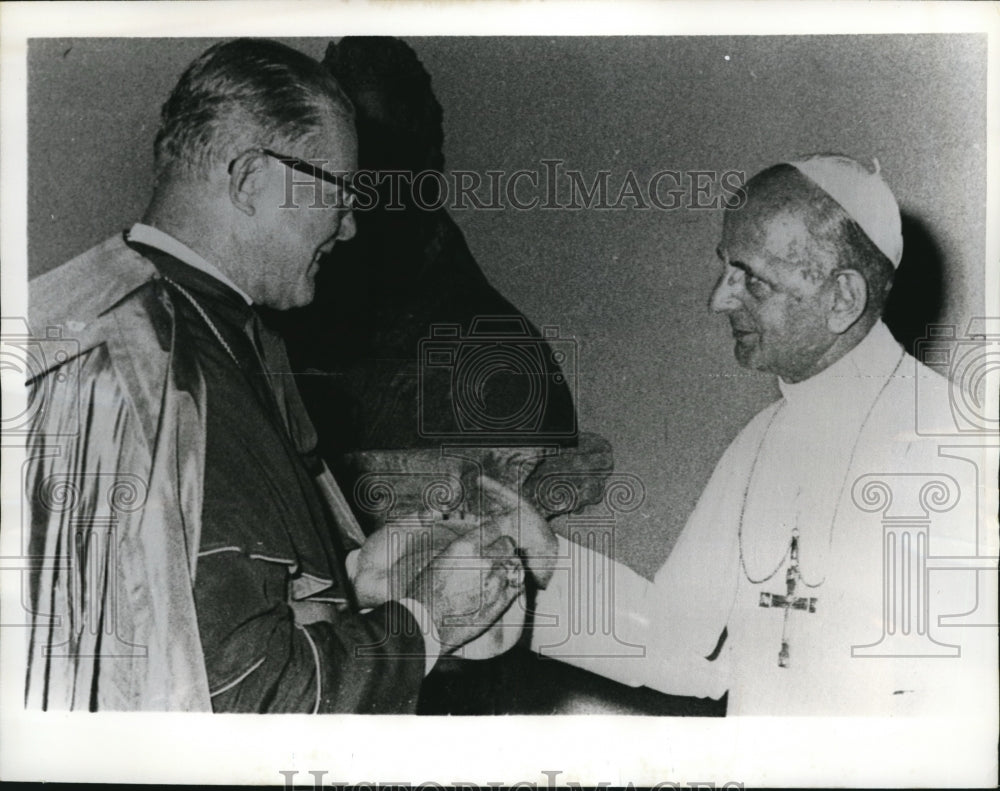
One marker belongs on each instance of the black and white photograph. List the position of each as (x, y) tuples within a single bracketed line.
[(500, 394)]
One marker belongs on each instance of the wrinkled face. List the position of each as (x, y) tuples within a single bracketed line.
[(775, 291), (301, 217)]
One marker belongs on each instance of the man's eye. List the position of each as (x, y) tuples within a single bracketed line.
[(755, 285)]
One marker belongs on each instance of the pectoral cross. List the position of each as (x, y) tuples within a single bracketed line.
[(789, 601)]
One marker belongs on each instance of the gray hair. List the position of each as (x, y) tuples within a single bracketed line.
[(239, 95)]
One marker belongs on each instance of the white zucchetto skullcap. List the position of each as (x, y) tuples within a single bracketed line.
[(863, 194)]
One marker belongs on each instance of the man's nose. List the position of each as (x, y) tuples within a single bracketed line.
[(345, 230), (348, 227), (727, 294)]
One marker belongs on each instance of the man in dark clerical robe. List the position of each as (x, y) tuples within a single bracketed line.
[(193, 548)]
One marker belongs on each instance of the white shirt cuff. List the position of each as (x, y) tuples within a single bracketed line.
[(432, 644)]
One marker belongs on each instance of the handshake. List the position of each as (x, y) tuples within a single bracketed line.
[(466, 573)]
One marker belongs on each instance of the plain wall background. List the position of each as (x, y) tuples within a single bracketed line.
[(656, 372)]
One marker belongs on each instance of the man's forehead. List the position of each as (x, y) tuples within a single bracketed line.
[(781, 232), (337, 141)]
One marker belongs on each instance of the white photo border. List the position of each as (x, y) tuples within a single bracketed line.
[(213, 749)]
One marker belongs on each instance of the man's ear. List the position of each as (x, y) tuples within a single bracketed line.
[(246, 180), (850, 298)]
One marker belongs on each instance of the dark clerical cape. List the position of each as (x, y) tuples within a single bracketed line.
[(183, 595)]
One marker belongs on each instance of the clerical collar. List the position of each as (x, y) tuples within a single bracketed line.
[(863, 368), (154, 237)]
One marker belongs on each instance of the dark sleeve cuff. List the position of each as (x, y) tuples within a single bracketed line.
[(372, 663)]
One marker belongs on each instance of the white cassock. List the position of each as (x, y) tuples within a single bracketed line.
[(893, 532)]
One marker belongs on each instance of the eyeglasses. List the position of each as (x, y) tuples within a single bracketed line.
[(309, 169)]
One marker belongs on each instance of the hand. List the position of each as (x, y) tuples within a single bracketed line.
[(500, 637), (467, 592), (513, 516), (392, 557)]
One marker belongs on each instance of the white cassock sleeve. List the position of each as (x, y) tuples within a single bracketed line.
[(600, 615), (605, 621)]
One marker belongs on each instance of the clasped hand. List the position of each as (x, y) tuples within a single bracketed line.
[(465, 572)]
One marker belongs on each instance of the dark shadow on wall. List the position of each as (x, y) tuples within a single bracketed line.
[(918, 292)]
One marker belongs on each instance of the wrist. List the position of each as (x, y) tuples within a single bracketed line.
[(550, 544), (427, 627)]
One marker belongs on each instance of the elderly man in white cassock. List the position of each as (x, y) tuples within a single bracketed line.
[(792, 558)]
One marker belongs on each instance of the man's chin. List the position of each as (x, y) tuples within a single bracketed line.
[(752, 360), (304, 296), (745, 353)]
